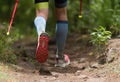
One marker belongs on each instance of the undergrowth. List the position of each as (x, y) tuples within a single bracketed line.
[(6, 45)]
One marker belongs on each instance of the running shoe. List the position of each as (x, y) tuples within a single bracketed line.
[(62, 63), (42, 48)]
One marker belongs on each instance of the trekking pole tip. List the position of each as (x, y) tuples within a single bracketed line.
[(8, 33), (80, 16)]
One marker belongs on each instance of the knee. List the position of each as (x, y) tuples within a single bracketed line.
[(42, 12), (61, 14), (42, 8)]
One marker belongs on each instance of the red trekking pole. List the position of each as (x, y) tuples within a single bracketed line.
[(80, 15), (13, 14)]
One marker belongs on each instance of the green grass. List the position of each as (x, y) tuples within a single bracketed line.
[(6, 45)]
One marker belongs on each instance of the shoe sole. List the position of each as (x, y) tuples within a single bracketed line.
[(42, 48)]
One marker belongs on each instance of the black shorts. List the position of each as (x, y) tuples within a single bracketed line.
[(58, 3)]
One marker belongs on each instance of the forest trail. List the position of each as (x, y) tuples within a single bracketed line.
[(84, 66)]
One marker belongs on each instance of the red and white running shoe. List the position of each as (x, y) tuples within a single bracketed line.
[(42, 48)]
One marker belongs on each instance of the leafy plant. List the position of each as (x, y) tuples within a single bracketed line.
[(100, 36)]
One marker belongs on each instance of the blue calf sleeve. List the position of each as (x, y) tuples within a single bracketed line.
[(61, 35)]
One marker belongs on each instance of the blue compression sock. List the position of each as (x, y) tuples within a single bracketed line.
[(61, 35), (40, 24)]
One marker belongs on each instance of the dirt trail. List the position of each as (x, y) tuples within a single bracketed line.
[(83, 68)]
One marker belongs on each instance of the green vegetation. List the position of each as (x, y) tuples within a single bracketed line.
[(99, 39), (95, 13), (115, 19), (6, 43), (100, 36)]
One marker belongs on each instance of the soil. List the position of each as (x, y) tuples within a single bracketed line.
[(84, 65)]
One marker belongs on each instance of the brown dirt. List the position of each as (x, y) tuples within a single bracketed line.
[(84, 65)]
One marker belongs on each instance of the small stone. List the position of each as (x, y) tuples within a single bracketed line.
[(82, 60), (94, 65), (110, 59), (82, 67), (83, 76), (77, 73)]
